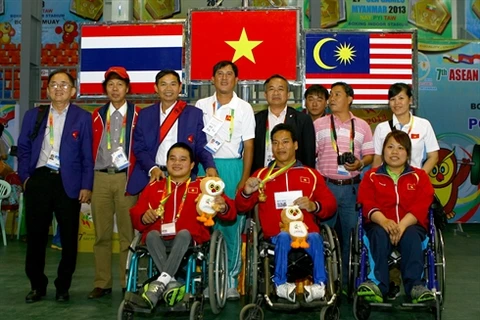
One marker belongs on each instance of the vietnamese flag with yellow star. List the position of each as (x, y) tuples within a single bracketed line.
[(260, 42)]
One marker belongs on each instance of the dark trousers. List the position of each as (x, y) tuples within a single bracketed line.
[(44, 195), (411, 249)]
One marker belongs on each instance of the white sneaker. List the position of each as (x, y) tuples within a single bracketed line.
[(287, 291), (314, 292), (232, 294)]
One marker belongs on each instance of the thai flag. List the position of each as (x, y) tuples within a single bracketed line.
[(142, 49), (370, 63)]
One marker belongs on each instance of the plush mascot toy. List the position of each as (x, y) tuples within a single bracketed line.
[(292, 222), (206, 207)]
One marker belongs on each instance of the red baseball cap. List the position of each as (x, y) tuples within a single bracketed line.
[(121, 71)]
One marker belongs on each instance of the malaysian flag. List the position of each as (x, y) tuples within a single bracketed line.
[(143, 49), (370, 63)]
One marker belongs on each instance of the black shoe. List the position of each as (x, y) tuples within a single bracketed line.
[(34, 296), (393, 291), (99, 292), (62, 296)]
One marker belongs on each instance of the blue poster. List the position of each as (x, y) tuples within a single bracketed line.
[(449, 97)]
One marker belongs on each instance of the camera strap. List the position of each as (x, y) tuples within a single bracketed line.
[(333, 136)]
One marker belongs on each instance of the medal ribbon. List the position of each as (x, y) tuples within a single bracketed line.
[(271, 176), (122, 132), (168, 191)]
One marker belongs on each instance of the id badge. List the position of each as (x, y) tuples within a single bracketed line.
[(214, 145), (119, 159), (213, 126), (53, 161), (341, 170), (168, 229)]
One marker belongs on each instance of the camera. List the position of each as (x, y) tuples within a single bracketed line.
[(346, 157)]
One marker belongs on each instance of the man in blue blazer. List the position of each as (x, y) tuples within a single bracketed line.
[(161, 125), (56, 168)]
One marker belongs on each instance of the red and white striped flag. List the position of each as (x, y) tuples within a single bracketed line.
[(369, 62), (142, 49)]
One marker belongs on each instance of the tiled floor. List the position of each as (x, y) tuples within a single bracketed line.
[(462, 297)]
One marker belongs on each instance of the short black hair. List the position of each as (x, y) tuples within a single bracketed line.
[(284, 127), (163, 73), (276, 76), (58, 71), (318, 90), (348, 89), (398, 87), (182, 145), (224, 63)]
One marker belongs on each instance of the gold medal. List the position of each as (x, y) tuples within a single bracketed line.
[(262, 197), (160, 211)]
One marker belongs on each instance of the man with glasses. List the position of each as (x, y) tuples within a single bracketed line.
[(56, 168)]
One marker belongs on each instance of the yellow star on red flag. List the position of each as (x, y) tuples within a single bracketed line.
[(243, 47)]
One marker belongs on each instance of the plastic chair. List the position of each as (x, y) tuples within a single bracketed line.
[(5, 190)]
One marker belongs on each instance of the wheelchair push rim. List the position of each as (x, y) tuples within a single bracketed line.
[(217, 272)]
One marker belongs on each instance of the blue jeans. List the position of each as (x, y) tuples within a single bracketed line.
[(346, 217), (283, 246)]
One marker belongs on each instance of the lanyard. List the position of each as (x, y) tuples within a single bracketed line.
[(333, 136), (50, 126), (229, 118), (122, 132), (166, 195), (271, 176)]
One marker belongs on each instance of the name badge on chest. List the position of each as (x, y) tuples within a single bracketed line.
[(168, 229)]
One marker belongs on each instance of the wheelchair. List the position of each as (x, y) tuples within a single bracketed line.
[(203, 265), (259, 269), (434, 271)]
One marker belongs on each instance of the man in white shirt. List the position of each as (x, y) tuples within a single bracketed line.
[(230, 126)]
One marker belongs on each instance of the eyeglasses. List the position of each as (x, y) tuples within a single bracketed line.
[(61, 85)]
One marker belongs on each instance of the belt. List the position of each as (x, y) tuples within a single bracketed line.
[(47, 170), (343, 182), (111, 170)]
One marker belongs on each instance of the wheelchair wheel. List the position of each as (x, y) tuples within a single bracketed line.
[(438, 309), (251, 263), (124, 314), (335, 260), (196, 312), (251, 312), (217, 272), (353, 262), (440, 264), (330, 313), (361, 308)]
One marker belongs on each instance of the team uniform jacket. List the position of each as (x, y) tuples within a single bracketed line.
[(413, 194), (298, 177), (153, 194), (99, 117)]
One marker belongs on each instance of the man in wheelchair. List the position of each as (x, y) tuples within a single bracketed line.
[(286, 182), (166, 216), (395, 199)]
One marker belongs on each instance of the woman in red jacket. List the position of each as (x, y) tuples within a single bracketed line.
[(395, 199)]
